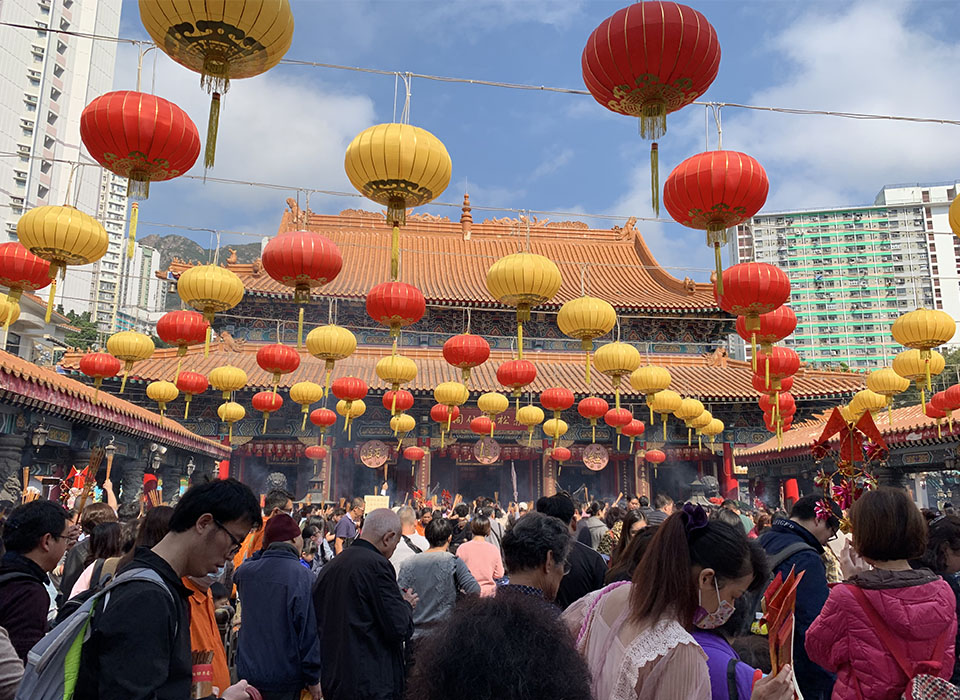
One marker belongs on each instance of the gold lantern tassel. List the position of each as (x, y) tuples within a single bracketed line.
[(480, 442), (265, 416), (889, 410), (753, 352), (923, 400), (186, 408), (938, 429), (926, 367), (52, 294), (396, 428), (530, 437), (230, 433), (96, 387), (443, 435), (126, 371), (556, 433), (132, 228), (393, 404), (349, 430), (699, 441), (651, 410), (519, 339), (664, 419), (213, 123), (618, 441), (395, 251), (586, 373), (303, 425), (593, 428), (767, 368), (655, 177), (449, 417), (300, 328), (493, 425), (206, 342), (326, 383), (689, 436)]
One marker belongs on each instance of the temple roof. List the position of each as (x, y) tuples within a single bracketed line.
[(448, 260), (711, 377), (25, 384)]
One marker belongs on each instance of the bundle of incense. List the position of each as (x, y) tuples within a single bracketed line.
[(202, 684), (154, 498), (31, 494)]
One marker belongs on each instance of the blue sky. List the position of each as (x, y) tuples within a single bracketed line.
[(560, 152)]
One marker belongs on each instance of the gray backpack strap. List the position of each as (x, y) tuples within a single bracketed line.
[(787, 552)]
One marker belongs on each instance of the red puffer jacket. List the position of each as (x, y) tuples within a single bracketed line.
[(918, 607)]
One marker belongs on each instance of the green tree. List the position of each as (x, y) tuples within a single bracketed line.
[(88, 334)]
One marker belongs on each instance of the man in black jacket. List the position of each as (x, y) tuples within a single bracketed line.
[(362, 616), (139, 648), (587, 568), (35, 537)]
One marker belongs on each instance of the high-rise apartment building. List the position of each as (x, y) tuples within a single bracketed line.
[(854, 270)]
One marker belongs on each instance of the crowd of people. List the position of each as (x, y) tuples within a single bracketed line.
[(225, 595)]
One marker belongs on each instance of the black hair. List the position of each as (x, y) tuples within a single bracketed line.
[(526, 544), (509, 647), (614, 514), (438, 531), (357, 503), (338, 512), (28, 523), (630, 518), (218, 591), (480, 526), (728, 503), (944, 532), (462, 510), (593, 508), (661, 501), (622, 568), (104, 542), (128, 511), (725, 515), (153, 527), (425, 511), (95, 514), (309, 530), (558, 506), (225, 499), (644, 502), (806, 509), (276, 498)]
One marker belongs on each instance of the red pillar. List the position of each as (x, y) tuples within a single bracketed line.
[(728, 484), (791, 492)]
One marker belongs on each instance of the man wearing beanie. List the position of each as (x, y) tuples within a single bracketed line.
[(279, 650)]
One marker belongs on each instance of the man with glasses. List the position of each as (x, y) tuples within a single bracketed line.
[(35, 536), (799, 542), (139, 639)]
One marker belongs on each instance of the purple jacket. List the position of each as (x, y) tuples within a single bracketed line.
[(719, 654)]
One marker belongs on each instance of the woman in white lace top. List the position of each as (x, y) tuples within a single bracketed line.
[(636, 636)]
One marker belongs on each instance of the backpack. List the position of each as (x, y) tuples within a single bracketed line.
[(922, 683), (752, 600), (97, 583), (53, 664)]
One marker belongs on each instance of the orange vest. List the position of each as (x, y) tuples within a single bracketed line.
[(205, 635)]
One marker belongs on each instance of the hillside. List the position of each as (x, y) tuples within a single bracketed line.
[(173, 245)]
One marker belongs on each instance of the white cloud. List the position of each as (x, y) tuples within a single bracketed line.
[(495, 14), (552, 163)]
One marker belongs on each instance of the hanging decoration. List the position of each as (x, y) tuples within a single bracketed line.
[(266, 402), (231, 412), (770, 328), (555, 428), (530, 416), (100, 366), (349, 390), (190, 384), (918, 368), (634, 429), (9, 313), (713, 428), (616, 360), (560, 454), (492, 404), (616, 418), (277, 359), (778, 364), (938, 415), (923, 330), (689, 410), (323, 418), (465, 352), (183, 329), (330, 343), (650, 380), (350, 410), (399, 166), (163, 393), (396, 370), (656, 458), (401, 424), (305, 393), (586, 319), (749, 290), (523, 280), (395, 305), (648, 60), (62, 236), (698, 424), (129, 347), (664, 402), (222, 41), (414, 454), (451, 395), (863, 401), (210, 289), (226, 379), (444, 415), (515, 375), (772, 386), (593, 408), (317, 453), (303, 260), (888, 384), (20, 271), (398, 401), (953, 216)]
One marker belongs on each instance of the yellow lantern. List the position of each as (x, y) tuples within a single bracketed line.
[(954, 216), (888, 384), (402, 423), (9, 313), (523, 280), (555, 428), (492, 404), (305, 393), (330, 343), (227, 379), (848, 414), (209, 289), (163, 393), (351, 410), (396, 370), (222, 41), (585, 319), (664, 402), (64, 236), (399, 166), (231, 412), (922, 330), (867, 400), (689, 410), (450, 394), (530, 416), (912, 365), (699, 423), (616, 360), (129, 347), (713, 428), (649, 380)]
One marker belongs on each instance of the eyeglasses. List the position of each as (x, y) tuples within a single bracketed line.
[(237, 544), (833, 536)]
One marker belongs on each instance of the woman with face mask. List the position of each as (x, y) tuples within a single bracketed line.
[(636, 637)]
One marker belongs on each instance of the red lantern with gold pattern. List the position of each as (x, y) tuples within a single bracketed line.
[(752, 289), (634, 429), (770, 328), (315, 452), (655, 456), (190, 384), (440, 413), (349, 388), (266, 402), (395, 304), (323, 418), (779, 364), (593, 408), (413, 453), (515, 375), (404, 401), (761, 384), (481, 425), (560, 454), (278, 359), (556, 399), (617, 418), (466, 351), (100, 366), (183, 329), (21, 271)]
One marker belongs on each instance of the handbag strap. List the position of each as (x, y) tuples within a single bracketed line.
[(732, 678)]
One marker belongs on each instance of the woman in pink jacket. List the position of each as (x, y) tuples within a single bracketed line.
[(890, 617)]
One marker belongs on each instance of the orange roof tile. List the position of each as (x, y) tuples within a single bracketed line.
[(23, 382), (692, 374), (447, 266)]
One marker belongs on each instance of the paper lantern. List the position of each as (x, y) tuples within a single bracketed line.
[(634, 429), (397, 401), (655, 456), (699, 423), (190, 384), (396, 305), (350, 410), (62, 236), (323, 418), (523, 280), (530, 416), (515, 375), (21, 271), (444, 415), (163, 393), (555, 428), (616, 418), (778, 364), (9, 313), (715, 191), (316, 453), (401, 424), (129, 347), (649, 380), (593, 408), (210, 289), (556, 399), (769, 328), (330, 343), (763, 385), (664, 402), (947, 401), (349, 389), (227, 379), (560, 454), (888, 384), (616, 360), (451, 395), (414, 453), (648, 60), (863, 401), (182, 328), (912, 365), (100, 366), (930, 411), (752, 289), (713, 428), (396, 370), (277, 359), (230, 413), (222, 41), (953, 216), (689, 410), (266, 402), (466, 351), (586, 319), (492, 404), (303, 260), (923, 330), (305, 393), (481, 425)]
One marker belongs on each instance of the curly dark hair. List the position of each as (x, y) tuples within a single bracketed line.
[(526, 544), (508, 647)]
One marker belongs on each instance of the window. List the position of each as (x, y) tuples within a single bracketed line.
[(61, 47), (51, 118), (48, 141), (58, 71), (42, 191)]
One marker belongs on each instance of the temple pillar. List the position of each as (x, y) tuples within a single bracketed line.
[(791, 493), (422, 478), (131, 480), (549, 481), (11, 460)]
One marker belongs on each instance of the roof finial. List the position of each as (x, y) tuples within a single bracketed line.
[(466, 218)]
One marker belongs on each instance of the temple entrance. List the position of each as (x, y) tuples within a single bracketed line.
[(471, 480), (584, 484)]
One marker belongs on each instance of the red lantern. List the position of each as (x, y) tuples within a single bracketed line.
[(655, 456), (753, 289), (349, 388), (770, 328), (440, 413), (634, 429), (414, 453), (617, 418), (556, 399), (761, 384), (323, 417), (315, 452), (781, 403), (278, 359), (21, 271), (560, 454), (395, 304), (648, 60), (953, 397), (404, 401), (99, 365), (715, 191), (190, 384), (266, 402), (481, 425), (778, 364), (302, 260), (182, 328), (466, 351), (515, 375), (593, 408)]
